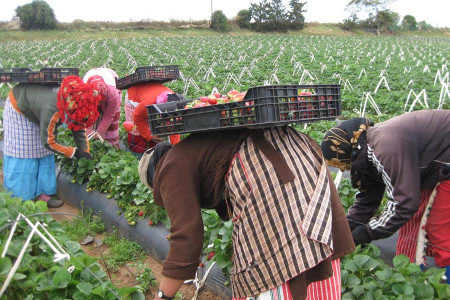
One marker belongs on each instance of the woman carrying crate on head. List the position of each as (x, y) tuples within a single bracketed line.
[(107, 125), (289, 226), (137, 98), (31, 117)]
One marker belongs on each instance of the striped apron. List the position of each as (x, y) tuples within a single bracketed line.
[(280, 230)]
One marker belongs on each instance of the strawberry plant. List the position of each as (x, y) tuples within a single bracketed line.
[(37, 276), (365, 276), (218, 245)]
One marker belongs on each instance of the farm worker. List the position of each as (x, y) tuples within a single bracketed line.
[(31, 117), (138, 97), (107, 125), (408, 157), (289, 225)]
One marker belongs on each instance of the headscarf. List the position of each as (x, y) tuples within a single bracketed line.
[(168, 97), (99, 86), (77, 103), (342, 142)]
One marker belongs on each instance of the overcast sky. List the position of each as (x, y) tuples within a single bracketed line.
[(434, 12)]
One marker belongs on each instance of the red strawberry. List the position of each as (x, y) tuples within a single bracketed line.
[(212, 101), (201, 265), (128, 126), (210, 255), (150, 223), (141, 213), (204, 99)]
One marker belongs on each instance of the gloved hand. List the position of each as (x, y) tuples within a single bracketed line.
[(82, 154), (361, 236)]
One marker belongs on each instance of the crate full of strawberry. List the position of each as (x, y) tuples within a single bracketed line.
[(259, 107)]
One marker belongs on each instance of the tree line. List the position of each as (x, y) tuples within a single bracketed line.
[(264, 16)]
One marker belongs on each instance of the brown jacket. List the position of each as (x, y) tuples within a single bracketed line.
[(403, 156), (191, 176)]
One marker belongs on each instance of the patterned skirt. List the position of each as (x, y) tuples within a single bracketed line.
[(328, 289)]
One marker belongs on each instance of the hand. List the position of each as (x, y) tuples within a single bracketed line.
[(82, 154), (156, 139), (361, 236)]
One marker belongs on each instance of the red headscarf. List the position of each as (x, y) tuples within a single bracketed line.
[(77, 103), (99, 86)]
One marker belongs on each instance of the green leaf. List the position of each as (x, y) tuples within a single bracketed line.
[(351, 281), (79, 296), (124, 292), (62, 278), (45, 285), (413, 269), (400, 261), (5, 265), (358, 290), (442, 289), (19, 276), (139, 200), (360, 260), (41, 206), (137, 295), (424, 291), (99, 290), (397, 277), (408, 290), (385, 274), (351, 266), (348, 296), (85, 288), (73, 247), (222, 261)]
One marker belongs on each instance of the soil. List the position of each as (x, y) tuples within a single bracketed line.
[(125, 276)]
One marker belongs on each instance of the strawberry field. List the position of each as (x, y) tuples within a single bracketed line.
[(380, 77)]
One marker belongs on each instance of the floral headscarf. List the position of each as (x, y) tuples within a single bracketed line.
[(99, 86), (77, 104), (340, 142)]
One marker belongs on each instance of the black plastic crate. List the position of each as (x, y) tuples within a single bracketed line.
[(262, 107), (42, 76), (58, 74), (159, 74)]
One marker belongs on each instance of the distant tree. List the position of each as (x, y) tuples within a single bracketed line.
[(424, 26), (36, 15), (296, 18), (372, 7), (386, 19), (350, 23), (409, 22), (243, 18), (219, 21), (277, 16), (259, 13)]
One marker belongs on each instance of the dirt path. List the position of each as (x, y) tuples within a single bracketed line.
[(125, 276)]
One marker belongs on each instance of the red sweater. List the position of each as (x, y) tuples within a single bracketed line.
[(146, 94)]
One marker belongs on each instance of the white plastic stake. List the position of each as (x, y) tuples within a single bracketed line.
[(338, 178), (362, 71), (385, 84)]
